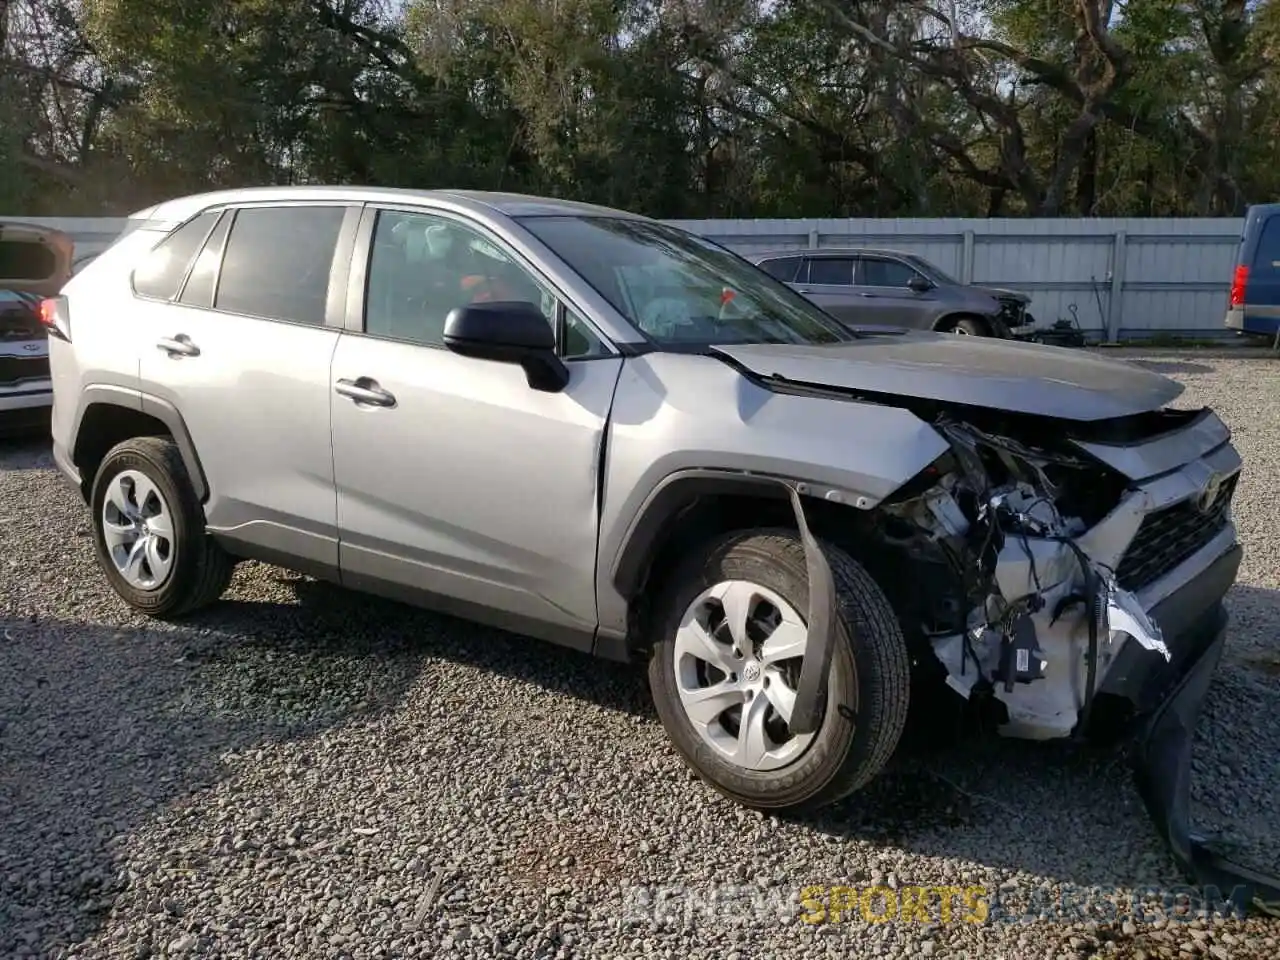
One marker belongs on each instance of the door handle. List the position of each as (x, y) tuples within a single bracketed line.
[(365, 390), (803, 290), (179, 345)]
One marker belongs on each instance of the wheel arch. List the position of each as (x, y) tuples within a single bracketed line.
[(670, 502), (948, 321), (692, 505), (108, 415)]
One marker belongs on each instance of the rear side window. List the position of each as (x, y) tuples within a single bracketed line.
[(837, 271), (1268, 255), (26, 260), (161, 274), (277, 262), (785, 269)]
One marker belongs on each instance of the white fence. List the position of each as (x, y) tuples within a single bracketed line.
[(1120, 278)]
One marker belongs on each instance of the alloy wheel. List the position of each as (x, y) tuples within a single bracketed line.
[(137, 525), (738, 653)]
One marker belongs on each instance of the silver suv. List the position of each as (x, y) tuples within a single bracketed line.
[(595, 429), (863, 286)]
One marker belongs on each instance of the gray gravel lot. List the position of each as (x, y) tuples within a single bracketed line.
[(304, 772)]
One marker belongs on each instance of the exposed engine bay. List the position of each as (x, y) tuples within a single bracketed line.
[(1031, 553)]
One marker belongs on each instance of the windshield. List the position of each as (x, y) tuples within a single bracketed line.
[(679, 289)]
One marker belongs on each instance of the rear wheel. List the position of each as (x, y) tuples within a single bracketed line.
[(726, 665), (149, 531)]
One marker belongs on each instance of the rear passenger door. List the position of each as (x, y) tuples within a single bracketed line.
[(240, 344), (828, 282)]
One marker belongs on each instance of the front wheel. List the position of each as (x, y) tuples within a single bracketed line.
[(726, 664), (971, 327)]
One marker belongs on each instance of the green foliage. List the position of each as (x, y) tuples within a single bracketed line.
[(678, 108)]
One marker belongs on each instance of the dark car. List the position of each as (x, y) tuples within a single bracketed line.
[(1255, 287), (890, 288), (35, 262)]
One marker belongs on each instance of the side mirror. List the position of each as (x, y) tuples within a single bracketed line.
[(509, 331), (919, 284)]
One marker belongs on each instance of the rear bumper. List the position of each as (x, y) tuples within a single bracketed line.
[(1263, 321)]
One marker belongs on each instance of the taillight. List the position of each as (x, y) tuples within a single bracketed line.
[(1238, 284), (55, 317)]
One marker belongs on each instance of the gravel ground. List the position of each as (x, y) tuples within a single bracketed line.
[(304, 772)]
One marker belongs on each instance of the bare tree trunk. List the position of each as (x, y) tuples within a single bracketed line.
[(1087, 178)]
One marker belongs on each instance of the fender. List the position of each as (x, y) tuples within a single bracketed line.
[(130, 399)]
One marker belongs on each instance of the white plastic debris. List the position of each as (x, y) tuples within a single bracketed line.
[(1125, 615)]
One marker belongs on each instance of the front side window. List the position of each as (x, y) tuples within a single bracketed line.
[(931, 271), (421, 267), (277, 263), (886, 273), (162, 271), (680, 289)]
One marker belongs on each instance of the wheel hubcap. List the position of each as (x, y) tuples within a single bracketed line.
[(138, 529), (738, 653)]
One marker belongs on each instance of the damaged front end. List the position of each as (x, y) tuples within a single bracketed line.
[(1056, 542)]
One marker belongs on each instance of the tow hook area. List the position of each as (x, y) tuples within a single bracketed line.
[(1162, 772)]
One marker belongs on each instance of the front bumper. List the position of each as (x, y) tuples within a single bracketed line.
[(1162, 766), (25, 406), (1191, 619)]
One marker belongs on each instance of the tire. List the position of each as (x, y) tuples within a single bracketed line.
[(971, 327), (192, 571), (867, 694)]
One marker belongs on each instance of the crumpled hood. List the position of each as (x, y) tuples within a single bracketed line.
[(979, 371), (1002, 292)]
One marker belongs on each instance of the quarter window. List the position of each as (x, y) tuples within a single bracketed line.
[(198, 291), (277, 263), (835, 271), (421, 267), (886, 273), (160, 275)]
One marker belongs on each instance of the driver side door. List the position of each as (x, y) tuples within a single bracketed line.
[(459, 486), (885, 281)]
